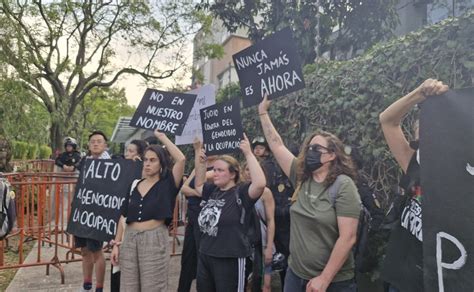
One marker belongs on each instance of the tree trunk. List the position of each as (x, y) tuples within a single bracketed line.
[(56, 137)]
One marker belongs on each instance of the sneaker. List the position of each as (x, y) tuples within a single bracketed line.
[(85, 290)]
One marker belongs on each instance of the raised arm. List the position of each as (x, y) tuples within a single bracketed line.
[(257, 176), (176, 154), (186, 189), (282, 155), (392, 116), (199, 166)]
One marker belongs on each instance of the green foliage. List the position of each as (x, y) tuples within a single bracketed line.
[(100, 110), (61, 50), (45, 152), (23, 117), (20, 150), (212, 51), (359, 24), (345, 98), (32, 151), (228, 92)]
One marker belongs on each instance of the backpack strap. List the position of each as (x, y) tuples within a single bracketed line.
[(239, 204), (294, 197), (334, 189)]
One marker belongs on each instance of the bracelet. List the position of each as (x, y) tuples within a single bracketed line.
[(262, 114)]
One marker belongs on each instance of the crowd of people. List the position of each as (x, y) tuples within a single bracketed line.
[(306, 207)]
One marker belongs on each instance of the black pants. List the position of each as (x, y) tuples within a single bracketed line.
[(220, 274), (282, 241), (114, 280), (254, 265), (189, 256)]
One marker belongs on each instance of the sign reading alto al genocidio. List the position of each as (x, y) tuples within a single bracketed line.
[(222, 127), (272, 66), (165, 111), (100, 191)]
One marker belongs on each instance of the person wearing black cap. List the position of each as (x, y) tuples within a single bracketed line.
[(282, 190)]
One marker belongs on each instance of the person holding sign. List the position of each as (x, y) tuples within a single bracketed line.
[(323, 230), (403, 264), (143, 254), (91, 249), (224, 219)]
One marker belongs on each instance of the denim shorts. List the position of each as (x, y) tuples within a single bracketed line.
[(91, 244)]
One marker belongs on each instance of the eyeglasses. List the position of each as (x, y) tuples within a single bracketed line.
[(319, 148)]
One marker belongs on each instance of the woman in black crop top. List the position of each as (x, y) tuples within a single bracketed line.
[(143, 254), (224, 218)]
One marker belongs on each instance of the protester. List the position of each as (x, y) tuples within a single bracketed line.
[(70, 159), (91, 250), (282, 190), (143, 254), (322, 232), (135, 150), (192, 234), (224, 219), (265, 207), (403, 264)]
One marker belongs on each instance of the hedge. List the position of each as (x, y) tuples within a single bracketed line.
[(346, 97), (24, 150)]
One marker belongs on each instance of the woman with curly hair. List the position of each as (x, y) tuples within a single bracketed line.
[(323, 228)]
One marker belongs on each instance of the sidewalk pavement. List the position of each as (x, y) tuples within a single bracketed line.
[(35, 279)]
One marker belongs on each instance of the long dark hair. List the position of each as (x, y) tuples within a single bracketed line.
[(164, 157), (141, 146), (342, 164)]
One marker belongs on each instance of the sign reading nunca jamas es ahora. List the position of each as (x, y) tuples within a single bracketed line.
[(271, 66), (165, 111), (102, 187)]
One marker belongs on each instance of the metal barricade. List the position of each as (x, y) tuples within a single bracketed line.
[(43, 204)]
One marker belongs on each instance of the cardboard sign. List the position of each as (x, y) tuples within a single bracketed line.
[(222, 127), (165, 111), (447, 183), (206, 96), (271, 66), (100, 191)]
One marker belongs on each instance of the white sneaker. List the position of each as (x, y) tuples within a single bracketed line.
[(84, 290)]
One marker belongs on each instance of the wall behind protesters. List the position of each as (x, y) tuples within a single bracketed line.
[(346, 97)]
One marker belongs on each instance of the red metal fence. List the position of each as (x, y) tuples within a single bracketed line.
[(43, 204)]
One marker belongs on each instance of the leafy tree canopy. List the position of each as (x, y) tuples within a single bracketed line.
[(61, 50)]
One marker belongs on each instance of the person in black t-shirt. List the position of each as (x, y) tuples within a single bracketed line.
[(403, 264), (143, 255), (224, 218), (192, 235)]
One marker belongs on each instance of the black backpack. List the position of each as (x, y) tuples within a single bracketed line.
[(254, 234), (370, 220)]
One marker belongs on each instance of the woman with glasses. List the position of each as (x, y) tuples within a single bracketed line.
[(323, 229)]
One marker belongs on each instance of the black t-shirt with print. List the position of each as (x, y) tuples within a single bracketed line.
[(403, 264), (219, 221)]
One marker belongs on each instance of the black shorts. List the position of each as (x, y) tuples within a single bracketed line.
[(91, 244)]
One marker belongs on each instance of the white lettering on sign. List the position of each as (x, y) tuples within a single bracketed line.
[(456, 265), (167, 113), (249, 60), (177, 101), (210, 113), (276, 83), (95, 171), (156, 96), (163, 125), (278, 62), (94, 221)]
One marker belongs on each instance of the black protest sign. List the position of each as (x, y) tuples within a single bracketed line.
[(100, 191), (222, 127), (272, 66), (165, 111), (447, 183)]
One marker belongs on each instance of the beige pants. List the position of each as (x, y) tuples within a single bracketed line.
[(144, 260)]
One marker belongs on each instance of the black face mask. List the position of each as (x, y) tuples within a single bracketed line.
[(313, 160)]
